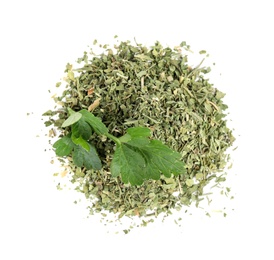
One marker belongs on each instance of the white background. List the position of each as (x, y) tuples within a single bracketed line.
[(39, 37)]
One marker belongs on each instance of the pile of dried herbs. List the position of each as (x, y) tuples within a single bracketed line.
[(133, 85)]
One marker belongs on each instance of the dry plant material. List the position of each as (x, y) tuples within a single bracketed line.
[(131, 86)]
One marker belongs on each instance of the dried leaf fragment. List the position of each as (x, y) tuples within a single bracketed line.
[(64, 173), (90, 91), (95, 104)]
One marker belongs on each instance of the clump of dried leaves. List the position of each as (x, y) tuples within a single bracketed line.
[(133, 85)]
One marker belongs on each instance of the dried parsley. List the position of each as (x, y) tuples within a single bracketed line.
[(131, 85)]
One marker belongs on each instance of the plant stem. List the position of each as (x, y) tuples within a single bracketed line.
[(113, 138)]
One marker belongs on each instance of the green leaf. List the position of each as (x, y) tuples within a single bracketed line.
[(136, 136), (70, 111), (72, 119), (88, 159), (125, 138), (152, 170), (80, 141), (139, 132), (169, 160), (161, 159), (94, 122), (129, 164), (81, 128), (138, 158), (138, 142), (63, 146)]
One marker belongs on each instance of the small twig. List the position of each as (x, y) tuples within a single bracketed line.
[(214, 105), (180, 187), (195, 69), (142, 82)]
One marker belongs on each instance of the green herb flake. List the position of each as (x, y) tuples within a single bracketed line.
[(58, 84)]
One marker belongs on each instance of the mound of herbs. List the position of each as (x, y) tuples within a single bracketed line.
[(131, 85)]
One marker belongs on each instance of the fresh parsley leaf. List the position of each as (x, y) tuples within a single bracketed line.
[(81, 128), (139, 132), (94, 122), (80, 141), (129, 164), (138, 158), (63, 146), (89, 159), (136, 136), (161, 159), (73, 118)]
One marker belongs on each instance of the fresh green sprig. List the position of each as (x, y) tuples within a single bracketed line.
[(136, 157)]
